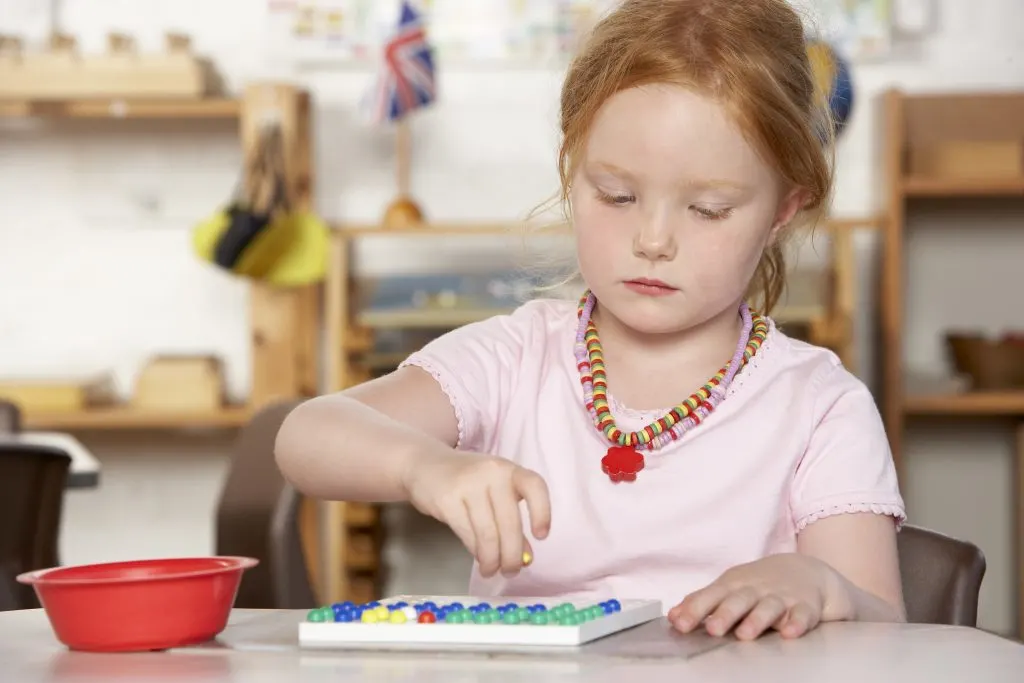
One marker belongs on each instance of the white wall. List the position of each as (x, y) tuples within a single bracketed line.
[(96, 274)]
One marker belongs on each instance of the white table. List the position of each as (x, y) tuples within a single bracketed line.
[(260, 647), (85, 468)]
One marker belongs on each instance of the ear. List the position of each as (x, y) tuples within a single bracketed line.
[(791, 203)]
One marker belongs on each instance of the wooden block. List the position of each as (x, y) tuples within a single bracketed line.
[(47, 396), (180, 383), (968, 159), (61, 73)]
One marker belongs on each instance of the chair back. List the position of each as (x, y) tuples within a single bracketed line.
[(10, 417), (32, 483), (941, 577), (257, 516)]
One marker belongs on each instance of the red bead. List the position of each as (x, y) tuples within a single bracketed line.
[(427, 617), (622, 463)]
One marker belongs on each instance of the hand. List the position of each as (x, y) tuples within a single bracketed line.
[(478, 497), (789, 593)]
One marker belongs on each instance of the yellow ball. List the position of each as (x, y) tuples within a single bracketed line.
[(369, 617), (398, 617), (382, 613), (527, 558)]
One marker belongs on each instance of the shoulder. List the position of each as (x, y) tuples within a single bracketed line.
[(814, 371), (810, 381), (502, 341)]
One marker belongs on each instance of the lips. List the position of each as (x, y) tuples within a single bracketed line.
[(650, 287), (646, 282)]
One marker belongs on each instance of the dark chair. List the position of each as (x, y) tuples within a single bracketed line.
[(32, 482), (941, 577), (258, 517), (10, 417)]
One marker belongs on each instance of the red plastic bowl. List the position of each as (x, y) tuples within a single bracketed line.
[(139, 605)]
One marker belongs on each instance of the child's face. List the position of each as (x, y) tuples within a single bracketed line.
[(668, 189)]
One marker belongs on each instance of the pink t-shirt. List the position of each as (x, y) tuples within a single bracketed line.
[(797, 438)]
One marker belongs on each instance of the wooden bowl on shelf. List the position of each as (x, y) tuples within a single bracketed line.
[(991, 364)]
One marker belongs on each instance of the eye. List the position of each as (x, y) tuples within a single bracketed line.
[(615, 199), (712, 214)]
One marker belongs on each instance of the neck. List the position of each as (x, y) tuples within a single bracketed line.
[(673, 364)]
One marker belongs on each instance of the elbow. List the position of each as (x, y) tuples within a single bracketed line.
[(289, 452)]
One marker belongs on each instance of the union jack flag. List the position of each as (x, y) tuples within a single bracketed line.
[(407, 80)]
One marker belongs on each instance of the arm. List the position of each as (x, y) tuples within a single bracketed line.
[(356, 445), (861, 549)]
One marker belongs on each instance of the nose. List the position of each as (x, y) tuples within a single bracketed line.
[(655, 240)]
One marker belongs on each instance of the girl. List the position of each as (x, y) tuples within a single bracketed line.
[(666, 440)]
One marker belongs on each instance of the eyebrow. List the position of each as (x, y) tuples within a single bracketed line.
[(707, 184)]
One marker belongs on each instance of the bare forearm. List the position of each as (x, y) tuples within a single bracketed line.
[(336, 448)]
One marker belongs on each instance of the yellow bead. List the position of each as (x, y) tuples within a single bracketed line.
[(527, 558), (398, 617), (382, 613), (369, 617)]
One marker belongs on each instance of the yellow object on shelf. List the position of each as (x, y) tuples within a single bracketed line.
[(290, 250)]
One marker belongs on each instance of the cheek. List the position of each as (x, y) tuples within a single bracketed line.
[(597, 227)]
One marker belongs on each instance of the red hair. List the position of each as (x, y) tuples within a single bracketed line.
[(748, 55)]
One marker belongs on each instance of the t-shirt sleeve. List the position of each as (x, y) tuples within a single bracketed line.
[(476, 366), (848, 465)]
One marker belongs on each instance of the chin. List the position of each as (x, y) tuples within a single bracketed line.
[(660, 315)]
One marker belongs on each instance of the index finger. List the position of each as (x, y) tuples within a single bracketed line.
[(532, 488)]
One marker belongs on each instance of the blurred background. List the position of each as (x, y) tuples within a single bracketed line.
[(212, 208)]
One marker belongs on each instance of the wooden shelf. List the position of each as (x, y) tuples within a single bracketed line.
[(979, 403), (963, 187), (211, 108), (124, 417), (510, 229)]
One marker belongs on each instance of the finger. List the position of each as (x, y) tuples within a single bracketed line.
[(510, 528), (801, 619), (768, 611), (532, 488), (485, 531), (731, 610), (457, 520), (689, 613)]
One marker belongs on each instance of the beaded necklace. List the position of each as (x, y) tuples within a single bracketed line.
[(624, 458)]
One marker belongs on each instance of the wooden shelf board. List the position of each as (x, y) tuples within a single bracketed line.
[(124, 417), (963, 187), (483, 229), (980, 403), (114, 108)]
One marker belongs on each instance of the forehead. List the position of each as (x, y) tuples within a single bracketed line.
[(672, 134)]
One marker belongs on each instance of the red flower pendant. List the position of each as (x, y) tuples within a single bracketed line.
[(622, 463)]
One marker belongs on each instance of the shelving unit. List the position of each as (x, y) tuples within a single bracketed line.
[(915, 125), (823, 303), (283, 322)]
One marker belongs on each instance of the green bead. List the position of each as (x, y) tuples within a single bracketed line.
[(455, 618), (539, 618), (511, 618), (564, 608), (523, 614), (482, 618), (316, 615), (494, 614)]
